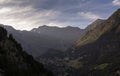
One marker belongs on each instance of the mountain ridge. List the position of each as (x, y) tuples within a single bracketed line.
[(38, 43), (14, 61), (102, 28)]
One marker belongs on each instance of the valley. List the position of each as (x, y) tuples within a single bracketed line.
[(66, 51)]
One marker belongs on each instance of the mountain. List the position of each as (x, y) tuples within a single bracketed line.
[(96, 23), (39, 40), (101, 54), (65, 36), (97, 53), (68, 33), (93, 35), (56, 59), (14, 61)]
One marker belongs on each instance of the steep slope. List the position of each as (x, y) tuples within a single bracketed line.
[(101, 57), (101, 29), (91, 35), (49, 37), (95, 24), (16, 62)]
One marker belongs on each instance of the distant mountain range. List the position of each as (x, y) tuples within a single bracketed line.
[(96, 53), (40, 40)]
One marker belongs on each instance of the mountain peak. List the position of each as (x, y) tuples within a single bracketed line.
[(99, 28), (95, 24), (50, 28), (115, 16), (44, 26), (99, 20), (9, 28), (71, 27), (118, 9)]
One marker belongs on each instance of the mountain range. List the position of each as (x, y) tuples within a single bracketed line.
[(40, 40), (68, 51), (96, 53)]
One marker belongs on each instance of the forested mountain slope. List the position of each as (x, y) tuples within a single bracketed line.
[(14, 61)]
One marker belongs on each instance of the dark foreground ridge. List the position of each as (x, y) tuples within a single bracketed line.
[(16, 62)]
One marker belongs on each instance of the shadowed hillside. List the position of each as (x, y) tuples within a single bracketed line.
[(16, 62)]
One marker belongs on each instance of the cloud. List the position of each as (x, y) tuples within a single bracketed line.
[(116, 2), (14, 13), (89, 15), (12, 1), (28, 14), (55, 24), (26, 17), (4, 1)]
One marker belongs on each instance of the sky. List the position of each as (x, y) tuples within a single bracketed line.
[(28, 14)]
